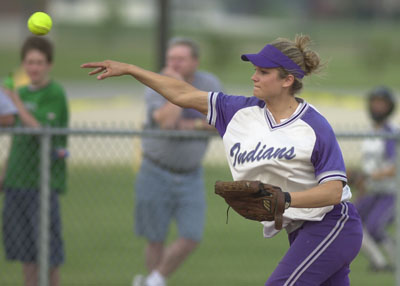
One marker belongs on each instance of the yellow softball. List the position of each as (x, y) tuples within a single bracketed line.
[(40, 23)]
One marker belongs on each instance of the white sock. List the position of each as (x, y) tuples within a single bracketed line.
[(155, 279), (390, 248), (372, 250)]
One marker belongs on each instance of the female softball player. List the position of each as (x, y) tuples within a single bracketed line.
[(280, 139)]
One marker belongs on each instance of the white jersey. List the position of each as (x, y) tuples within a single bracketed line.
[(378, 154), (296, 154)]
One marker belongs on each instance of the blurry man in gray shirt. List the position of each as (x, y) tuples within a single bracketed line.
[(170, 185)]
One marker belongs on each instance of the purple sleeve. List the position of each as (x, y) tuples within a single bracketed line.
[(390, 145), (326, 156), (222, 107), (390, 150)]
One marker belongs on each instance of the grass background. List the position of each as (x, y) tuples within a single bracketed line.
[(359, 54), (101, 248)]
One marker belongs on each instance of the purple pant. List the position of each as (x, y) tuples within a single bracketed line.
[(377, 211), (320, 252)]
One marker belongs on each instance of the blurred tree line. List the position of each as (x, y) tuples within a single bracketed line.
[(359, 9), (357, 37), (362, 9)]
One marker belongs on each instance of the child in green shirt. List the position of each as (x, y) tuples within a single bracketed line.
[(42, 103)]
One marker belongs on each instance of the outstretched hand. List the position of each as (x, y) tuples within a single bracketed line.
[(107, 68)]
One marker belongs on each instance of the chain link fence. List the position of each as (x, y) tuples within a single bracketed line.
[(97, 213)]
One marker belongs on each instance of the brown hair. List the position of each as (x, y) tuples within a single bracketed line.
[(178, 41), (298, 51), (38, 43)]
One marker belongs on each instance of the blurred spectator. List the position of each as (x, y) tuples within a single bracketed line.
[(41, 103), (376, 182), (170, 183)]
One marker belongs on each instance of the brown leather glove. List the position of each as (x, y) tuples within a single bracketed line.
[(255, 200)]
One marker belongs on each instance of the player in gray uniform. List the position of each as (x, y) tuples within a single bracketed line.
[(169, 185), (377, 182)]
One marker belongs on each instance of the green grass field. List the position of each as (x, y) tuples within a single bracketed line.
[(101, 248)]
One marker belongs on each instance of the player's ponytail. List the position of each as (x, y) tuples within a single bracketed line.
[(311, 59), (299, 52)]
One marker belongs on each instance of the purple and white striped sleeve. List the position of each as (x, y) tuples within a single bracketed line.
[(326, 156)]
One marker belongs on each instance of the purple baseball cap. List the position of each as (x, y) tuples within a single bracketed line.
[(271, 57)]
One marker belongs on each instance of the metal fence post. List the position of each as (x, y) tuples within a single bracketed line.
[(44, 212)]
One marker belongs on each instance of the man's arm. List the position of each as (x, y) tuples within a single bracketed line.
[(167, 116)]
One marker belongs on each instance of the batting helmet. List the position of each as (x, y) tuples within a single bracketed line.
[(386, 94)]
